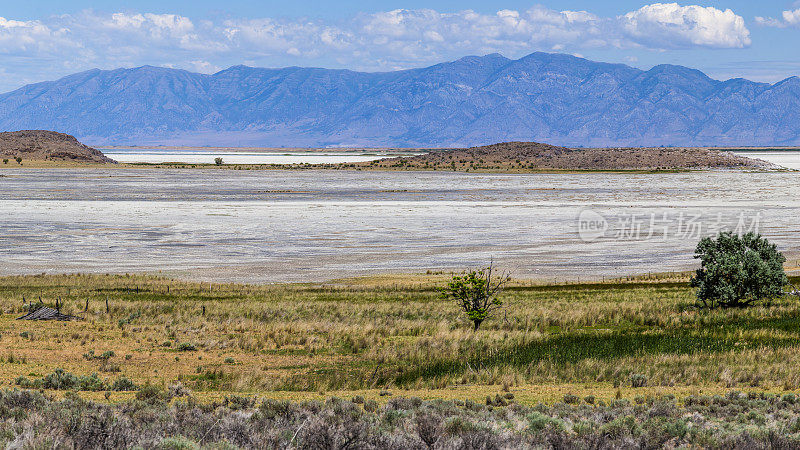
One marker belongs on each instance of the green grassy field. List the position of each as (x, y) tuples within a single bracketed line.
[(369, 336)]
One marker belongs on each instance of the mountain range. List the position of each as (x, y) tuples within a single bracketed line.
[(554, 98)]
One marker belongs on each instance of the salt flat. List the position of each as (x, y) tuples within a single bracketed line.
[(239, 156), (263, 226)]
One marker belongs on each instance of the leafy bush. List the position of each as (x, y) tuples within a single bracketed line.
[(218, 161), (91, 383), (238, 402), (429, 428), (60, 380), (638, 380), (64, 381), (498, 400), (621, 427), (26, 383), (128, 320), (476, 293), (736, 271), (178, 390), (90, 355), (150, 393), (538, 422), (370, 406), (187, 347), (111, 367), (124, 384), (458, 425), (177, 443)]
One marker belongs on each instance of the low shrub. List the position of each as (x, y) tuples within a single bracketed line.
[(62, 381), (124, 384), (177, 443), (90, 355), (32, 420), (537, 422), (638, 380), (370, 406), (150, 393)]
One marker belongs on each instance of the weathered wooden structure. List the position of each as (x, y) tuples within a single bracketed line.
[(46, 313)]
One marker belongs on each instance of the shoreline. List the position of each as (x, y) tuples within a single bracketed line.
[(507, 157), (389, 278), (362, 167), (405, 149)]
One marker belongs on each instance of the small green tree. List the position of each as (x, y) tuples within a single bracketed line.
[(18, 160), (218, 161), (476, 292), (736, 271)]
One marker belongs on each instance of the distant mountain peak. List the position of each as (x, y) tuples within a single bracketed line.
[(489, 57), (546, 97), (679, 70)]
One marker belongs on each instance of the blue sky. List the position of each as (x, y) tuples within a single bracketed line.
[(47, 39)]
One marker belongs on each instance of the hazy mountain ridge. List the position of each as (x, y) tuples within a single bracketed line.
[(552, 98)]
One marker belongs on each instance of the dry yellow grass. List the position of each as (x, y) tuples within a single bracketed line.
[(361, 336)]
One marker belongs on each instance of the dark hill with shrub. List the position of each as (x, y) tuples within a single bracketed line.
[(533, 155), (40, 145)]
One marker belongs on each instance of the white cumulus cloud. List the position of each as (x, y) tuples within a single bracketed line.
[(413, 34), (383, 40), (670, 25), (789, 18), (31, 37)]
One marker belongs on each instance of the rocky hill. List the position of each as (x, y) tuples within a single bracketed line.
[(522, 156), (40, 145), (542, 97)]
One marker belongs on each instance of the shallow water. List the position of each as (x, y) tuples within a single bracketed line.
[(789, 159), (202, 156), (261, 226)]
